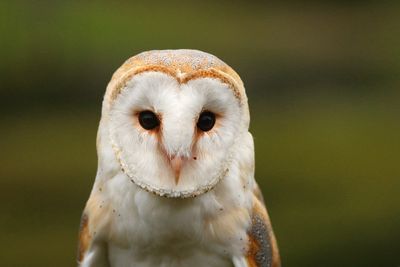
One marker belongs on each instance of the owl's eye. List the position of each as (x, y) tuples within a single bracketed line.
[(148, 120), (206, 121)]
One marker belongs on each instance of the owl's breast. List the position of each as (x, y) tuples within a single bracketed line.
[(148, 230), (186, 255)]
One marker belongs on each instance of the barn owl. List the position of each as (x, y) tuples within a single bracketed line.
[(175, 181)]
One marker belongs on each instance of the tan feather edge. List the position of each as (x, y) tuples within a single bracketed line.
[(261, 252), (84, 239), (206, 73)]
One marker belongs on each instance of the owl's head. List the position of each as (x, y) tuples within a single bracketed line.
[(173, 119)]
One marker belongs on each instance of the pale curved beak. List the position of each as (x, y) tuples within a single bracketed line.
[(176, 164)]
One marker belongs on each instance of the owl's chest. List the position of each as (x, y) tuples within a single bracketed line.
[(167, 257), (178, 239), (146, 230), (166, 236)]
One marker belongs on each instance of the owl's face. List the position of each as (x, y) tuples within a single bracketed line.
[(175, 138)]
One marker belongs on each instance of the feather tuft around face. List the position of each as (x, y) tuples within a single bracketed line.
[(173, 124)]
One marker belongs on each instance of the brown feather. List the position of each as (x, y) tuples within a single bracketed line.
[(262, 249), (84, 237)]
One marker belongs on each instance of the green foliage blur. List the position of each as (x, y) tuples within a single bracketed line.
[(323, 84)]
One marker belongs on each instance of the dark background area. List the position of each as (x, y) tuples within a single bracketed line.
[(323, 84)]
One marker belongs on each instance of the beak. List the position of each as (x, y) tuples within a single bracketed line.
[(176, 164)]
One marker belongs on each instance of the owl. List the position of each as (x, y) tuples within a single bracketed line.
[(175, 180)]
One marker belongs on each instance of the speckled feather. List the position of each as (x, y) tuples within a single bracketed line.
[(183, 64), (263, 249)]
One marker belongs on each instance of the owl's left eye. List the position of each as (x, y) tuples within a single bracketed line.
[(148, 120), (206, 121)]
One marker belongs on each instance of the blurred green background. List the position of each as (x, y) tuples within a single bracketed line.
[(323, 85)]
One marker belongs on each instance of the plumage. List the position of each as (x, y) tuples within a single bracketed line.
[(171, 192)]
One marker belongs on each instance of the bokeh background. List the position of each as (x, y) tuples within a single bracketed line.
[(323, 85)]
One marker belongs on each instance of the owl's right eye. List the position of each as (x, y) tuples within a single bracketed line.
[(148, 120)]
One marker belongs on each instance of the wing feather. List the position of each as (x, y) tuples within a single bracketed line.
[(91, 252), (263, 249), (84, 237)]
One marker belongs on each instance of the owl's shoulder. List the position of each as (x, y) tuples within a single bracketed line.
[(91, 245), (84, 237), (262, 247)]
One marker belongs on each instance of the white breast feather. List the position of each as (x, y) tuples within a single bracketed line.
[(148, 230)]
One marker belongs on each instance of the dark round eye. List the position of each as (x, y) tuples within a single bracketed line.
[(148, 120), (206, 121)]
